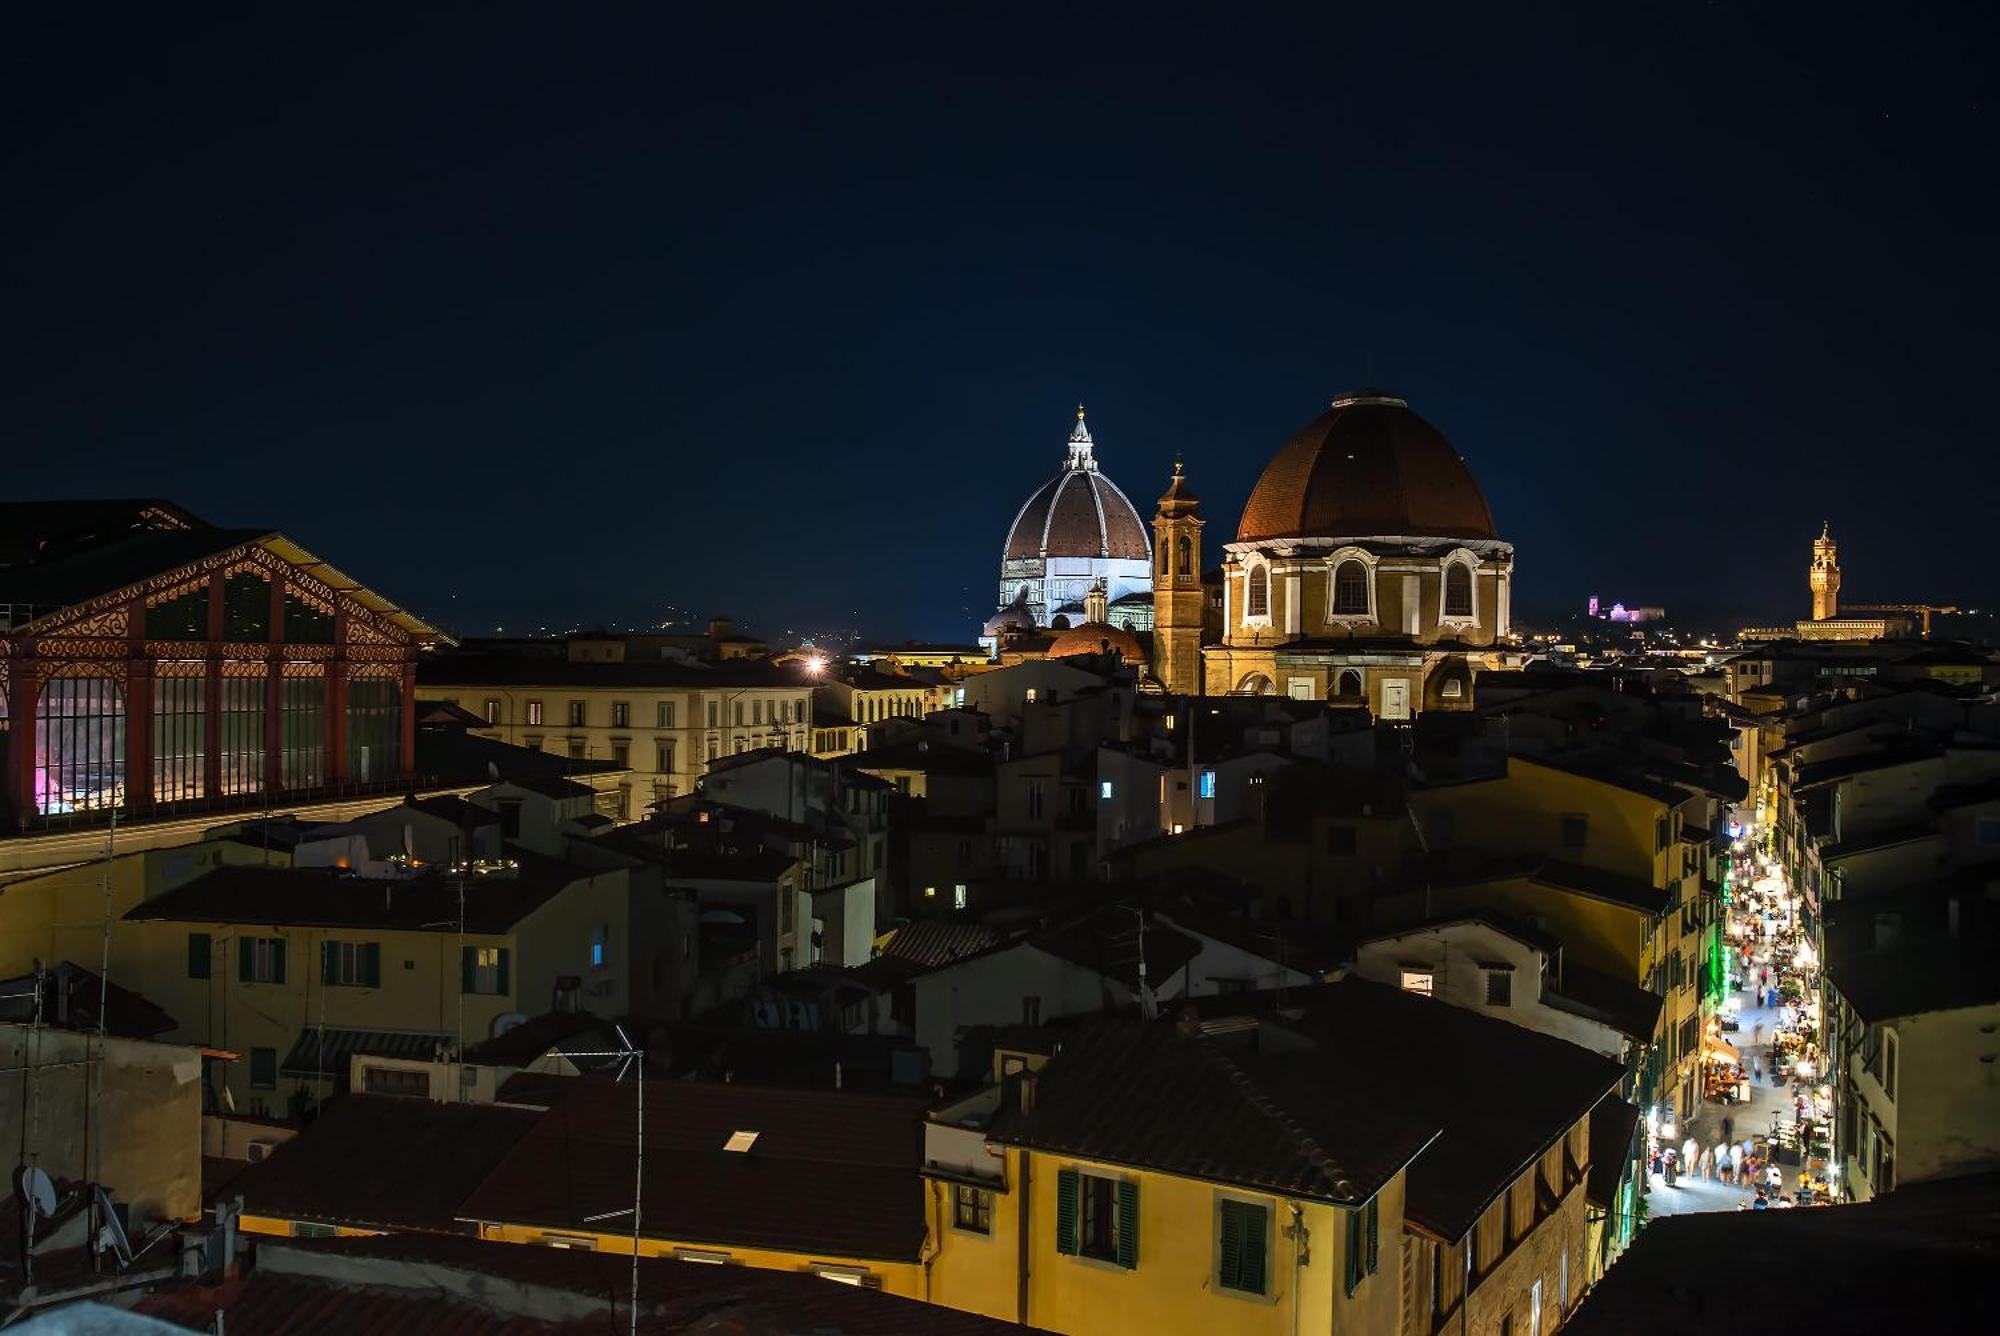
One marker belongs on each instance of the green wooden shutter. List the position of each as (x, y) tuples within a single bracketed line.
[(500, 974), (1374, 1205), (1353, 1251), (1128, 1224), (1066, 1211), (326, 962), (246, 955), (198, 948), (371, 964), (1252, 1229), (277, 960), (467, 975), (1230, 1269)]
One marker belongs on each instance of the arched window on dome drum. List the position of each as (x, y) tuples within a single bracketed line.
[(79, 745), (1457, 590), (1259, 602), (1350, 590), (1185, 549), (1349, 685)]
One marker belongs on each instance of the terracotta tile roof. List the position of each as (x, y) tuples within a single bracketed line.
[(1898, 1262), (1079, 513), (930, 942), (323, 898), (377, 1162), (1153, 1096), (435, 1286), (831, 1172)]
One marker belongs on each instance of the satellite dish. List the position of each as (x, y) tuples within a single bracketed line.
[(38, 1190), (507, 1021)]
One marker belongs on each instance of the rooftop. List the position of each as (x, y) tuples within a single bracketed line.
[(830, 1172), (326, 898), (1899, 1261), (380, 1162)]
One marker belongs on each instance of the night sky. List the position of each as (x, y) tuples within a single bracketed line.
[(567, 314)]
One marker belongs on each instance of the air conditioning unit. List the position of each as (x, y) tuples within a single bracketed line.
[(262, 1149)]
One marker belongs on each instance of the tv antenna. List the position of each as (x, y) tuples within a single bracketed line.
[(631, 1059)]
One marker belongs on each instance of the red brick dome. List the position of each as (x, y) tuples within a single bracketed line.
[(1078, 513), (1366, 467)]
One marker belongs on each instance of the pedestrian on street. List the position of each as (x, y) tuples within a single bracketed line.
[(1736, 1162), (1728, 1128), (1757, 1033), (1690, 1155)]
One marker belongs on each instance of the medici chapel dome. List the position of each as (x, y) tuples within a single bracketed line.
[(1078, 513), (1366, 467)]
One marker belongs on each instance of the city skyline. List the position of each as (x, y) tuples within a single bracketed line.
[(834, 291)]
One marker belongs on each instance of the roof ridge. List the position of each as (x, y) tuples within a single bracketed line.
[(1255, 1096)]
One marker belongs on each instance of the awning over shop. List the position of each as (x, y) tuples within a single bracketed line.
[(309, 1056), (1717, 1049)]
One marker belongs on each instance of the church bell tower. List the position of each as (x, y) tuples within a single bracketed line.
[(1824, 576), (1177, 591)]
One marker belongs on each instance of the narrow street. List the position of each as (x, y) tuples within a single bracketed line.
[(1760, 932), (1768, 1106)]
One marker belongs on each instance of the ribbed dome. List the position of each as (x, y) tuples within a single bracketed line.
[(1078, 513), (1093, 638), (1368, 466)]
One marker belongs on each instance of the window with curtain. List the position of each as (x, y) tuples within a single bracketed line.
[(1259, 602), (246, 607), (180, 733), (1350, 590), (79, 745), (374, 728), (243, 734), (302, 718), (1457, 590)]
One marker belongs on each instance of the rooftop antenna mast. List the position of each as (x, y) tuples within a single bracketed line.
[(94, 1128), (631, 1059)]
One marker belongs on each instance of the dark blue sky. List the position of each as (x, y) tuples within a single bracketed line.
[(570, 313)]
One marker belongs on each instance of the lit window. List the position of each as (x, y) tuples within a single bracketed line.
[(1260, 593), (1104, 790), (599, 944), (930, 892), (1207, 787), (958, 896), (1419, 982), (972, 1209), (1350, 590)]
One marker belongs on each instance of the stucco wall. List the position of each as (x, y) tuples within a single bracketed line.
[(143, 1142)]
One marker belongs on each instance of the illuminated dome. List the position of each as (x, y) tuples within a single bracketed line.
[(1077, 529), (1098, 638), (1366, 467), (1078, 513)]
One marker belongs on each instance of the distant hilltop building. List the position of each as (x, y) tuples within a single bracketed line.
[(1887, 621), (1618, 612)]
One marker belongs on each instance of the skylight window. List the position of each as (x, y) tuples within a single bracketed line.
[(740, 1142)]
